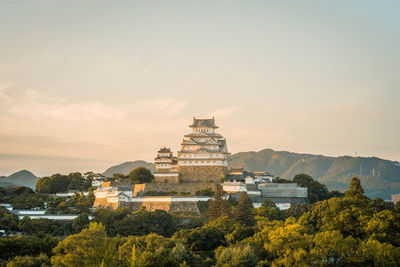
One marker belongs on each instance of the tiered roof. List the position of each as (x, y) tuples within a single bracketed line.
[(209, 123)]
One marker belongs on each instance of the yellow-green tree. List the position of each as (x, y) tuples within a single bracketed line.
[(84, 249)]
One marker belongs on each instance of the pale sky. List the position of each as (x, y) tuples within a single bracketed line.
[(88, 84)]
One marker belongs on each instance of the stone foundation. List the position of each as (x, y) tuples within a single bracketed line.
[(140, 189), (166, 179), (190, 174)]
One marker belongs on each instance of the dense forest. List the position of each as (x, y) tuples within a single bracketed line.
[(351, 230)]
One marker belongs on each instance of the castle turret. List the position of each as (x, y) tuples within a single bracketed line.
[(166, 167)]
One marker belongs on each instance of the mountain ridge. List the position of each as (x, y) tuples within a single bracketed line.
[(20, 178)]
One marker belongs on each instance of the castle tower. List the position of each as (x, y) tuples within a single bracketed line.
[(204, 154), (166, 167)]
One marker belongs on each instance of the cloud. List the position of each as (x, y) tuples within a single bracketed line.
[(40, 106), (4, 86), (158, 62)]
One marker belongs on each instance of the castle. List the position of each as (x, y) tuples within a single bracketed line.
[(203, 156), (200, 164)]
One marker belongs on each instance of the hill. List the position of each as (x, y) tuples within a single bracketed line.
[(379, 177), (127, 167), (24, 178)]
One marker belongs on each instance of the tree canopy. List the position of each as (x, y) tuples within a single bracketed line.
[(141, 175)]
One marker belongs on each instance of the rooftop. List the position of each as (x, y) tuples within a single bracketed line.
[(210, 123)]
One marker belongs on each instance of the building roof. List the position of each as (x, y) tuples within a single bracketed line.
[(209, 123), (164, 150), (203, 134)]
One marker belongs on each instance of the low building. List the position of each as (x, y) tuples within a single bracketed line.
[(234, 187), (112, 196), (283, 195), (395, 198)]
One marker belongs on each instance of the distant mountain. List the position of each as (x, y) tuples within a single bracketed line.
[(127, 167), (24, 178), (379, 177)]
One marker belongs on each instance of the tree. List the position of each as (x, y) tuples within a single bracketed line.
[(355, 191), (141, 175), (244, 210), (84, 249), (119, 176), (205, 239), (218, 207), (316, 191), (80, 222), (236, 256), (268, 210), (41, 260)]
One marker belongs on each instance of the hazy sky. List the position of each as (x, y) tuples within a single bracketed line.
[(88, 84)]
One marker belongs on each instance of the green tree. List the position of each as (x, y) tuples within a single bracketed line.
[(205, 239), (141, 175), (268, 210), (218, 207), (80, 222), (375, 253), (355, 191), (84, 249), (332, 249), (119, 176), (236, 256), (244, 210), (41, 260), (316, 191)]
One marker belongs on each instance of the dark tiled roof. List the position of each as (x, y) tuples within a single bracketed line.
[(203, 123), (164, 150)]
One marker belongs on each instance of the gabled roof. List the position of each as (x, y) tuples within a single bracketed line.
[(212, 141), (164, 150), (189, 142), (210, 123)]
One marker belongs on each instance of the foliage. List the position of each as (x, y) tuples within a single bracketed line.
[(205, 239), (316, 191), (86, 248), (355, 191), (81, 222), (268, 210), (141, 175), (205, 192), (13, 246), (33, 261), (244, 210), (8, 221), (218, 207), (349, 231), (236, 256), (61, 183)]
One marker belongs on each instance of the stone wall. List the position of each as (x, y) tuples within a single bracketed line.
[(190, 174), (166, 179), (140, 189), (167, 206)]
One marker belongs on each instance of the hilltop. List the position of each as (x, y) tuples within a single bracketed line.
[(126, 167), (23, 178)]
